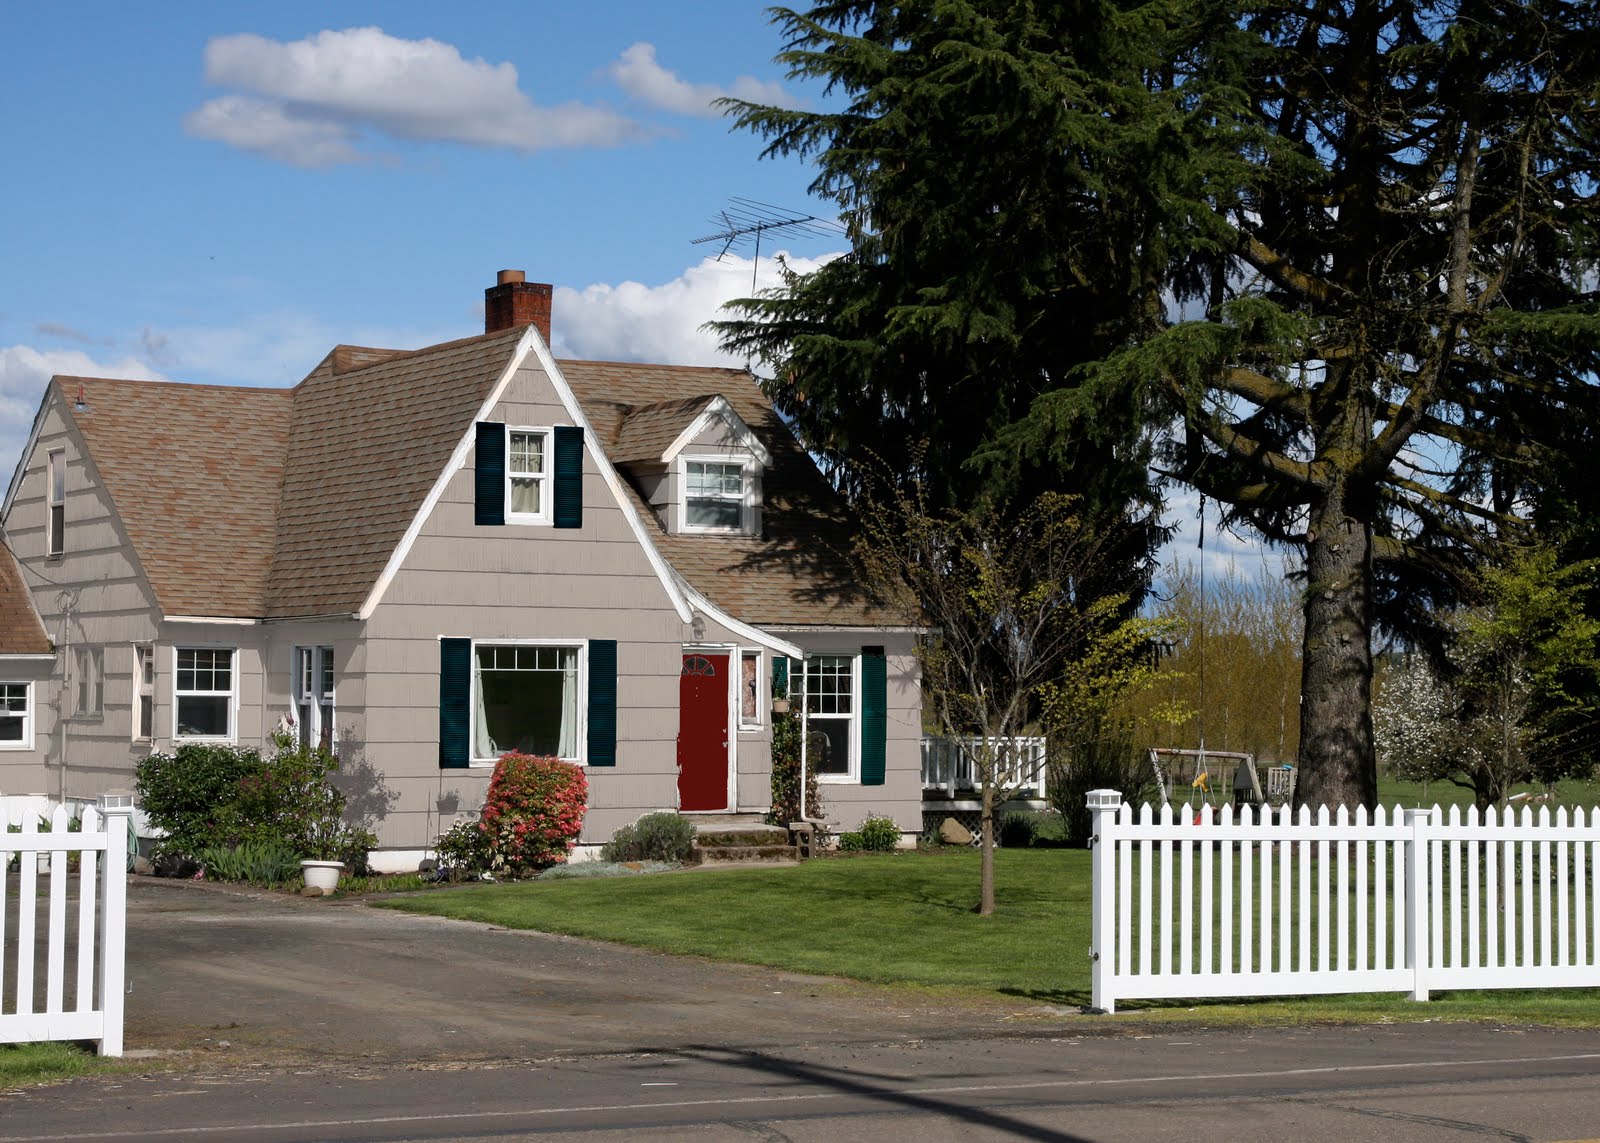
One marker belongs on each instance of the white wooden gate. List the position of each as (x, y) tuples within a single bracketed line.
[(1201, 903), (46, 1005)]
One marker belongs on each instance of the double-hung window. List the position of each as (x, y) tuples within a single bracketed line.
[(527, 473), (203, 693), (832, 740), (16, 716), (91, 669), (313, 696), (527, 698), (844, 704), (144, 693), (56, 477), (714, 496)]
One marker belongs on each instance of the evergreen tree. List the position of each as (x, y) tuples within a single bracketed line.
[(1404, 317), (994, 247)]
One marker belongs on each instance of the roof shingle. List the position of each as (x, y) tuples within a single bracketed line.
[(289, 502), (21, 630)]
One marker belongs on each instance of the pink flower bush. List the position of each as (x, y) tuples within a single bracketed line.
[(534, 812)]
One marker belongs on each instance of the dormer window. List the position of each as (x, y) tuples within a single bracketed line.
[(720, 494), (713, 496)]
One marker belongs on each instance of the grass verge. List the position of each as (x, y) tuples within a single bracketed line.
[(907, 919), (24, 1064)]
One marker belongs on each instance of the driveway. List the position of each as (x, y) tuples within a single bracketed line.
[(268, 976)]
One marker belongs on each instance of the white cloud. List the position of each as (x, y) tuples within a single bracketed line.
[(271, 129), (23, 373), (635, 322), (1246, 554), (310, 102), (637, 72)]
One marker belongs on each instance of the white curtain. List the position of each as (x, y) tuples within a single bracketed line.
[(568, 746), (483, 746)]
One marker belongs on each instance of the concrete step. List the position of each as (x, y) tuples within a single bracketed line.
[(746, 854), (743, 835)]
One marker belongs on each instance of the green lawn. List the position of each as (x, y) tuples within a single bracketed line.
[(1391, 791), (907, 919)]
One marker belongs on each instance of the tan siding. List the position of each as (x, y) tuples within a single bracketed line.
[(92, 595), (845, 804), (508, 582)]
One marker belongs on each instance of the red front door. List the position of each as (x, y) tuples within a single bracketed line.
[(703, 733)]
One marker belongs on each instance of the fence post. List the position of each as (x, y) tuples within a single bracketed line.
[(1419, 881), (1103, 805), (113, 928)]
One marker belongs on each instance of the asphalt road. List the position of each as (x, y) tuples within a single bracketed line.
[(296, 1020), (1416, 1082)]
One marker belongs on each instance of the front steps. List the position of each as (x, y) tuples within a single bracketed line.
[(739, 839)]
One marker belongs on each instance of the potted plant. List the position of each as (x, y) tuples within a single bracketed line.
[(328, 845)]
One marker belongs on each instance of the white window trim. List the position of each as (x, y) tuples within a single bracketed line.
[(28, 713), (852, 775), (55, 543), (142, 733), (762, 693), (748, 471), (232, 736), (546, 478), (582, 684), (313, 698)]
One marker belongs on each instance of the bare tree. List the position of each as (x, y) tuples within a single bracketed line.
[(1018, 632)]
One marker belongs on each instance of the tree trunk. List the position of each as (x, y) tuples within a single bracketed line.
[(986, 878), (1338, 763)]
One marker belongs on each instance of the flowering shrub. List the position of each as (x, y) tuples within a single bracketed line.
[(534, 812), (463, 850)]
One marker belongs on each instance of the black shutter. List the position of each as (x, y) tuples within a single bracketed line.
[(455, 703), (874, 715), (602, 702), (780, 675), (489, 474), (569, 477)]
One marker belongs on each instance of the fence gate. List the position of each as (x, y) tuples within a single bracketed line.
[(61, 973)]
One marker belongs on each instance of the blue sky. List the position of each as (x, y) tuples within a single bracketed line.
[(220, 192)]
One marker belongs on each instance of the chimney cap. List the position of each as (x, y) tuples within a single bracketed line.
[(509, 277)]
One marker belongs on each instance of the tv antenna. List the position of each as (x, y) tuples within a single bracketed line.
[(745, 218)]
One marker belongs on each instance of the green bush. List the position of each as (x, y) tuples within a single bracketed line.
[(1017, 830), (218, 798), (464, 849), (182, 792), (265, 862), (662, 836), (876, 835)]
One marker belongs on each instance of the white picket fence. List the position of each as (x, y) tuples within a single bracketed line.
[(91, 929), (1205, 903)]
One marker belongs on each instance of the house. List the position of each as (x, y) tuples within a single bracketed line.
[(426, 558)]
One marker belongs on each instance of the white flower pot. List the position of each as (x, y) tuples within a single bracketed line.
[(322, 875)]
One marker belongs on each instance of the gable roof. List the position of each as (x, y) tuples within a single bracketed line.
[(368, 443), (276, 503), (194, 471), (21, 630), (646, 433)]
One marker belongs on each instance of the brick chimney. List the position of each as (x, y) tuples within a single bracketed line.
[(513, 300)]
